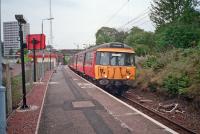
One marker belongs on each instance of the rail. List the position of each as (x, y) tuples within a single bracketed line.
[(168, 122)]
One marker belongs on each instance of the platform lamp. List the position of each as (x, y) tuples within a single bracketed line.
[(43, 50), (20, 19)]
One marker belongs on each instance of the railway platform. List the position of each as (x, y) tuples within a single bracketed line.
[(75, 106)]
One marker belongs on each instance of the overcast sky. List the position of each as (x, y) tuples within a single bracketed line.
[(76, 21)]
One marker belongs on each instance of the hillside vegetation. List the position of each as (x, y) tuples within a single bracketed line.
[(172, 53), (176, 72)]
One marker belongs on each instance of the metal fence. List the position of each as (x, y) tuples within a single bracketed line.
[(13, 82)]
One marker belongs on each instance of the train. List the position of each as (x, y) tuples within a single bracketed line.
[(109, 65)]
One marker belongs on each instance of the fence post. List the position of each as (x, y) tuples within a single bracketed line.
[(30, 75), (8, 90)]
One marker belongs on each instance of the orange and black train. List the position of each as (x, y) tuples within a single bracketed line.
[(111, 65)]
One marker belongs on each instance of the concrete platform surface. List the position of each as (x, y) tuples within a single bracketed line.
[(75, 106)]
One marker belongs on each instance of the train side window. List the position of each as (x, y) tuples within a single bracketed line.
[(98, 55), (86, 58), (89, 58)]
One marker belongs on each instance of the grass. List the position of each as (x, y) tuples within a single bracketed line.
[(16, 90), (16, 85)]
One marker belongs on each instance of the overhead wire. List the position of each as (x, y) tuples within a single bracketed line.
[(140, 24), (109, 19), (136, 19), (133, 21)]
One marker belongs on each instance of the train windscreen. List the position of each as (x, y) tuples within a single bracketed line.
[(115, 59)]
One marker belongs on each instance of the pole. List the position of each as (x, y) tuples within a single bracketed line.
[(51, 34), (43, 70), (50, 16), (24, 106), (2, 91), (42, 26), (34, 60), (50, 58), (8, 89)]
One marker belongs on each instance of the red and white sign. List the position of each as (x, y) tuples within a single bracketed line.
[(36, 41)]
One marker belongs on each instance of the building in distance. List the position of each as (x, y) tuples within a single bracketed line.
[(11, 37)]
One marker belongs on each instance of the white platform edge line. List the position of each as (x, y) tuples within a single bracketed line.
[(141, 113), (41, 109)]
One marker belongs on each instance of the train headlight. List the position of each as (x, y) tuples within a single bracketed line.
[(105, 76), (127, 76)]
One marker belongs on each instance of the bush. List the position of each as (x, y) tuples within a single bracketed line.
[(154, 63), (16, 90), (150, 62), (176, 84), (142, 50), (198, 74)]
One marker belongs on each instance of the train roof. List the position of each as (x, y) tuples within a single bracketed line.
[(107, 45)]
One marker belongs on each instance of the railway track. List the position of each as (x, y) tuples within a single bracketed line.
[(153, 114), (164, 120)]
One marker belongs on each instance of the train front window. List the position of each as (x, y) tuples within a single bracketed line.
[(121, 59), (129, 59), (104, 58), (115, 59)]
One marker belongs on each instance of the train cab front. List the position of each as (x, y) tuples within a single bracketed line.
[(115, 70)]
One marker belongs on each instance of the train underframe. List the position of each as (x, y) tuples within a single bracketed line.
[(117, 87), (113, 86)]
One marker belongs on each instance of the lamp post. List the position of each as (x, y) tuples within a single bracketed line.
[(51, 32), (34, 42), (43, 23), (20, 19), (43, 50)]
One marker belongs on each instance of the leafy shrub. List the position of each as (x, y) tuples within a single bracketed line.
[(198, 74), (150, 62), (154, 63), (187, 52), (142, 50), (176, 84)]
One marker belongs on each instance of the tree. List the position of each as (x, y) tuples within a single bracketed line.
[(105, 35), (178, 36), (121, 36), (167, 11), (139, 36), (140, 40)]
